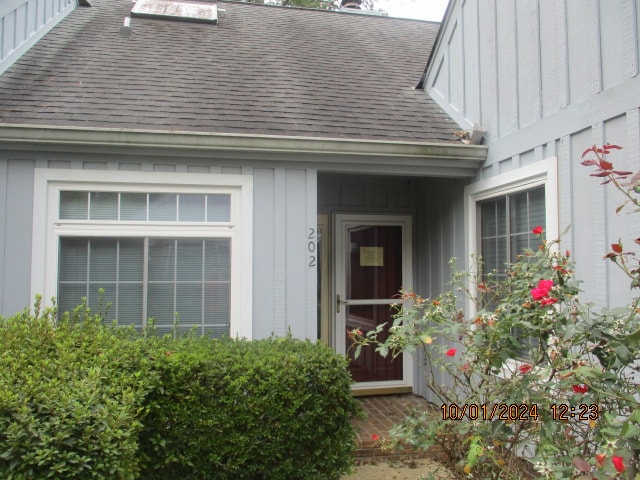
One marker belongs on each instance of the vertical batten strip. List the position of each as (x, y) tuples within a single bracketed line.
[(279, 256), (599, 226), (563, 54), (565, 193)]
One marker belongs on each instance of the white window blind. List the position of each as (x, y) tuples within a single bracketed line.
[(506, 223), (145, 207), (188, 280)]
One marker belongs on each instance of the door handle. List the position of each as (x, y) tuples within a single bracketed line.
[(339, 302)]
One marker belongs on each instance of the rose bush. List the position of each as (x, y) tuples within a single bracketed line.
[(534, 372)]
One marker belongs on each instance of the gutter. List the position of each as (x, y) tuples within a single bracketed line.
[(257, 147)]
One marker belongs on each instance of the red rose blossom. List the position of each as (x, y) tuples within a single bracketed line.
[(451, 352), (539, 293), (618, 463), (524, 369), (600, 459), (374, 437), (537, 230), (548, 301), (546, 284), (580, 388)]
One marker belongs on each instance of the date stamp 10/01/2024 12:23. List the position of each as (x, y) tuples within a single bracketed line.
[(515, 412)]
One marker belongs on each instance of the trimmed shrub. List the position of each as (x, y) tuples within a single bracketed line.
[(278, 408), (71, 399), (81, 400)]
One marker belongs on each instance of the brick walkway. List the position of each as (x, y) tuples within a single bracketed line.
[(382, 413)]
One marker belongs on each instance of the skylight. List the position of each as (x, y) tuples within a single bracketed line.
[(182, 10)]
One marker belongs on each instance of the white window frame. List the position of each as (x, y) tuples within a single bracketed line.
[(48, 228), (542, 173)]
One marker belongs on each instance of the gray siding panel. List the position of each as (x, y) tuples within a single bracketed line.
[(616, 32), (488, 71), (24, 22), (456, 68), (584, 49), (263, 252), (552, 57), (507, 69), (296, 252), (471, 41), (18, 221), (528, 61)]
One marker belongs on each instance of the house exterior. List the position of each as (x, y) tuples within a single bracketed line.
[(270, 170)]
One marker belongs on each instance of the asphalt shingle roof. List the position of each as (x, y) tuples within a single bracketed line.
[(261, 70)]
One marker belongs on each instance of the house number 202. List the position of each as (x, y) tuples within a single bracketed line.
[(312, 248)]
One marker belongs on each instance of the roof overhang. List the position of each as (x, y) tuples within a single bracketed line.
[(325, 154)]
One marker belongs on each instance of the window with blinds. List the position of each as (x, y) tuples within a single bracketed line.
[(176, 281), (172, 281), (506, 223), (144, 207)]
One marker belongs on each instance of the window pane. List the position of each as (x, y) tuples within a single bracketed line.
[(187, 277), (99, 301), (129, 304), (73, 259), (519, 212), (74, 205), (489, 255), (161, 260), (70, 295), (216, 303), (189, 260), (133, 206), (518, 244), (501, 216), (216, 331), (160, 304), (103, 206), (162, 207), (537, 208), (492, 215), (218, 259), (131, 260), (189, 304), (103, 259), (489, 221), (218, 208), (191, 208)]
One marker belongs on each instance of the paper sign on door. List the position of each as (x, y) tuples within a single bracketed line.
[(372, 256)]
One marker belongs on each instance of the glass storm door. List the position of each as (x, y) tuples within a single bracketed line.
[(373, 263)]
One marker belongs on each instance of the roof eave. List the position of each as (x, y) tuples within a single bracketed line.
[(372, 156)]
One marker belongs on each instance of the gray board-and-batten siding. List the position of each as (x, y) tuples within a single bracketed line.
[(551, 79), (24, 22), (286, 201), (279, 224)]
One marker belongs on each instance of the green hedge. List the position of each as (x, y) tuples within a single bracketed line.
[(277, 409), (71, 400), (81, 400)]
